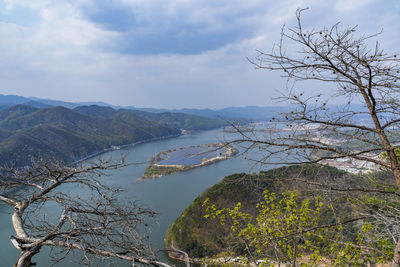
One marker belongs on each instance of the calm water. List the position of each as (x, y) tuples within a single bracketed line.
[(168, 195)]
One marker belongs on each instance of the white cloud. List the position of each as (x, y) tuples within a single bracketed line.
[(10, 4), (63, 27), (66, 56)]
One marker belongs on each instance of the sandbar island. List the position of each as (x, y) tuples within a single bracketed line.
[(186, 158)]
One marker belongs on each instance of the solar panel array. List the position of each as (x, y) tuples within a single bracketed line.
[(190, 156)]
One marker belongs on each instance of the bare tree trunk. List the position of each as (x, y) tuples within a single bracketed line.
[(396, 257), (25, 258), (396, 174)]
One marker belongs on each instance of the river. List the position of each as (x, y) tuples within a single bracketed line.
[(168, 195)]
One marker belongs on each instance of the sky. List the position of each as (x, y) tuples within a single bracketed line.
[(163, 53)]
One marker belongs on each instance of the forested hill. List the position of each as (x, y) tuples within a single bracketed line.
[(69, 135), (201, 237), (170, 119)]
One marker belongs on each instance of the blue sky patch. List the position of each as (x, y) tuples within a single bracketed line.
[(20, 15)]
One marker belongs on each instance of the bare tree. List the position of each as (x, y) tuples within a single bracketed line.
[(98, 224), (315, 131)]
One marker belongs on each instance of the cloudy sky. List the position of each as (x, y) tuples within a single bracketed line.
[(162, 53)]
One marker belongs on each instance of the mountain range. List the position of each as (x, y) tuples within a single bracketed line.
[(249, 113), (33, 127), (68, 135)]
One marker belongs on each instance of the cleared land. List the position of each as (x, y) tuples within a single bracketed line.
[(186, 158)]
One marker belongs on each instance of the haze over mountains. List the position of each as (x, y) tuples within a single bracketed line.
[(250, 113)]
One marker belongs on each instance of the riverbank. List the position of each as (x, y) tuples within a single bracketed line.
[(130, 145)]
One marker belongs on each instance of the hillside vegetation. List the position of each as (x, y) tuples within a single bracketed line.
[(64, 134), (201, 237)]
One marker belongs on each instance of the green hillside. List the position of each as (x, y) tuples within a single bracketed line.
[(182, 120), (170, 119), (96, 111), (201, 237), (66, 135), (15, 112)]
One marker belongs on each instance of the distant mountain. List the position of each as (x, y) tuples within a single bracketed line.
[(37, 104), (11, 100), (242, 114), (246, 114), (182, 120), (250, 113), (97, 111), (176, 120), (69, 104)]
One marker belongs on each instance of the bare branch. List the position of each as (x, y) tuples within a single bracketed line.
[(99, 223)]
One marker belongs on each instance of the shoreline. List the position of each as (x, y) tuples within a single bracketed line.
[(114, 148), (98, 153)]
